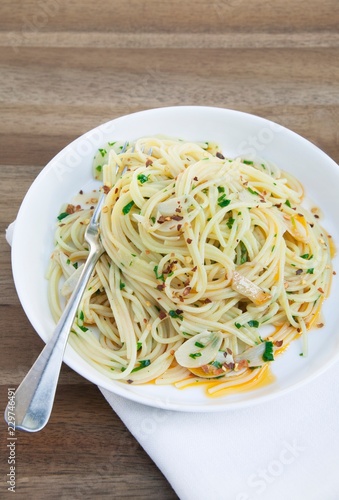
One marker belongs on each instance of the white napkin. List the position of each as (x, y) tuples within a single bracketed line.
[(287, 448)]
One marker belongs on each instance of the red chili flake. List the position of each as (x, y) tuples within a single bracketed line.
[(179, 226), (148, 162), (81, 191), (230, 366), (195, 178), (194, 269), (106, 189), (167, 269), (116, 190), (162, 314), (298, 271), (145, 320), (186, 291), (161, 287), (321, 290), (207, 301), (219, 155), (161, 219), (189, 241), (278, 343), (229, 351), (129, 381), (179, 311), (177, 217), (70, 209), (243, 363), (278, 206), (316, 216), (178, 210), (334, 273)]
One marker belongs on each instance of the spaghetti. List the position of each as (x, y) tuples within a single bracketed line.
[(212, 266)]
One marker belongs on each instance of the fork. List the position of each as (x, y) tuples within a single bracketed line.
[(34, 397)]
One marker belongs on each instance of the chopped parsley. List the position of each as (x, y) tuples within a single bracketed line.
[(62, 215), (243, 253), (254, 323), (230, 222), (103, 152), (127, 208), (81, 316), (161, 277), (287, 202), (142, 178), (98, 168), (238, 325), (268, 353), (139, 345), (194, 355), (306, 256), (83, 328), (122, 285), (175, 314), (248, 162), (310, 270), (142, 364), (199, 344), (221, 189), (222, 201), (216, 364), (252, 191)]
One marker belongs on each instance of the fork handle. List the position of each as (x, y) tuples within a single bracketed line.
[(35, 395)]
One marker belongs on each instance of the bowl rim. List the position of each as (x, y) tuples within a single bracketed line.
[(118, 387)]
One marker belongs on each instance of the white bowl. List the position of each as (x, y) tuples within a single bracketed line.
[(239, 134)]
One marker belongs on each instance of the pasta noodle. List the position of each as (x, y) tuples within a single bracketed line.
[(212, 265)]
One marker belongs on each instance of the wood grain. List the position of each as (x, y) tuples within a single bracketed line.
[(66, 67)]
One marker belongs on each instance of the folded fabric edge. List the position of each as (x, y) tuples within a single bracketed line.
[(10, 232)]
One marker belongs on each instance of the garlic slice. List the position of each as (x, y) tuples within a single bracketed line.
[(245, 287), (225, 363), (72, 280), (199, 350)]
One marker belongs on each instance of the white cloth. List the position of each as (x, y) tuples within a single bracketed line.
[(287, 448)]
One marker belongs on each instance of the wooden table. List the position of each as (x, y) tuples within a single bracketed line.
[(66, 67)]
